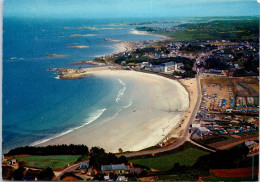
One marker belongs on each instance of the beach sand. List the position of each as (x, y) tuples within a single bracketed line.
[(158, 104), (136, 32), (191, 86)]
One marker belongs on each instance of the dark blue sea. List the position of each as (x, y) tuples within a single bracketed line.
[(38, 107)]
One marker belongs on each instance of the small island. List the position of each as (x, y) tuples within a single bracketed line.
[(78, 47), (56, 55)]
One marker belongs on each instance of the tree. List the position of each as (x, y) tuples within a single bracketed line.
[(19, 173), (46, 174), (120, 150)]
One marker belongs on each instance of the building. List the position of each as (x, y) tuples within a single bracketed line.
[(194, 126), (165, 67), (12, 162), (115, 168), (84, 167), (200, 132), (168, 67), (178, 65), (145, 65)]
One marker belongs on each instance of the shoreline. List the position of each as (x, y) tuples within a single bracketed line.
[(160, 107)]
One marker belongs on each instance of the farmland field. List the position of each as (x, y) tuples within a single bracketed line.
[(54, 162), (187, 157)]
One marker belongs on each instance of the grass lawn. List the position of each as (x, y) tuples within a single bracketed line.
[(187, 157), (54, 162)]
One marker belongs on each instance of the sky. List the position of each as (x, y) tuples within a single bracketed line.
[(129, 8)]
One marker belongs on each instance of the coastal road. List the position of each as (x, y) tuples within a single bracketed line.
[(184, 137)]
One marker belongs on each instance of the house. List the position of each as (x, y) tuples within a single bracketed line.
[(135, 170), (194, 126), (83, 167), (12, 162), (156, 68), (145, 65), (106, 177), (121, 178), (200, 132), (250, 144), (30, 178), (178, 65), (115, 168), (236, 66)]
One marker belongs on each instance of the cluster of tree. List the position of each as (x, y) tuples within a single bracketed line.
[(148, 29), (195, 48), (223, 159), (20, 174), (51, 150), (186, 61), (186, 74), (144, 50), (251, 66), (215, 63), (99, 157), (7, 172)]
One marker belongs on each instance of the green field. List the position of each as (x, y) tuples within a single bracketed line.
[(187, 157), (54, 162)]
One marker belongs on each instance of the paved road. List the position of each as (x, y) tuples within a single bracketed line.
[(185, 136), (60, 173)]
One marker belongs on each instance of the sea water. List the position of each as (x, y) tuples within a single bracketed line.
[(37, 106)]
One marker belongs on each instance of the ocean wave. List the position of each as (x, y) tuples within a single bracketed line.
[(93, 116), (121, 91)]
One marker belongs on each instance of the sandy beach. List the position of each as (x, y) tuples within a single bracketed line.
[(157, 105), (163, 37), (122, 47)]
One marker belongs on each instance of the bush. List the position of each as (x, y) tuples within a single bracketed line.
[(46, 174)]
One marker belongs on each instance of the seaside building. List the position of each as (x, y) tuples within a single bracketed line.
[(168, 67)]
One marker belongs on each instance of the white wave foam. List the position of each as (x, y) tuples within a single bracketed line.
[(129, 104), (121, 91), (94, 116)]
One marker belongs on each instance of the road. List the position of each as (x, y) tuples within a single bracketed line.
[(69, 169), (182, 139)]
